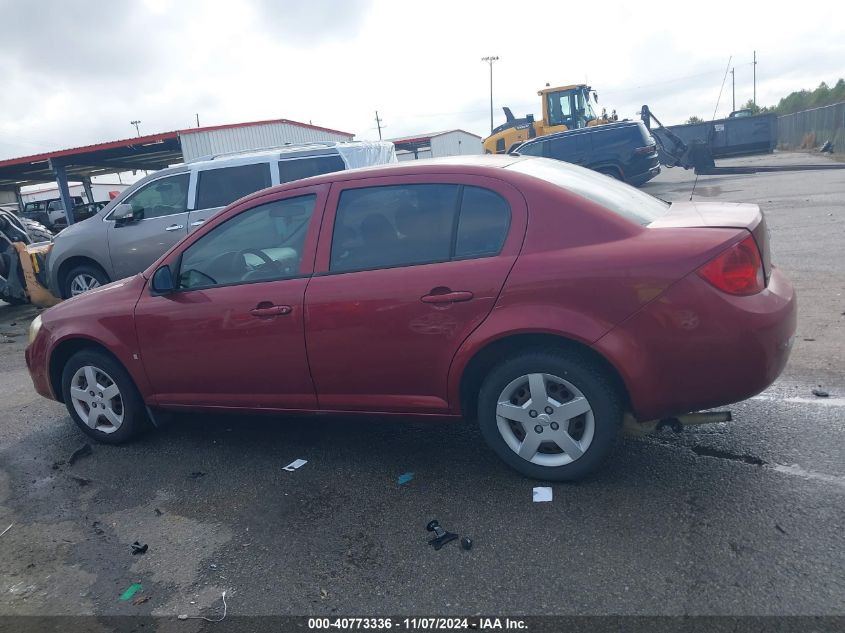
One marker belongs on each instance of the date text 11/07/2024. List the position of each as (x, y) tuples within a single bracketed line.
[(418, 624)]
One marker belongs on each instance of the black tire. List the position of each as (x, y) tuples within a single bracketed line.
[(13, 301), (611, 173), (37, 232), (135, 419), (91, 270), (602, 394)]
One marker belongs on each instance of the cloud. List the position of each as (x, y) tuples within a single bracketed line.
[(76, 73)]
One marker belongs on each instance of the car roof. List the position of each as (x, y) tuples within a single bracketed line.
[(477, 164)]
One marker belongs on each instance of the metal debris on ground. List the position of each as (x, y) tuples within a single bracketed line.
[(780, 529), (137, 548), (297, 463), (7, 529), (466, 543), (405, 478), (441, 536), (542, 493), (140, 600), (821, 393), (131, 590), (184, 616), (79, 453)]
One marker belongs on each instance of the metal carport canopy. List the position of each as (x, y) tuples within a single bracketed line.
[(152, 152)]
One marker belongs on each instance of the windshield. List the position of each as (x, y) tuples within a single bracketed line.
[(585, 107), (622, 199)]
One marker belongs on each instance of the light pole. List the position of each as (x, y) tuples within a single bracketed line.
[(136, 124), (490, 60)]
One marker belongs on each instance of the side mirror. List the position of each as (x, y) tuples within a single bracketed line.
[(123, 214), (162, 283)]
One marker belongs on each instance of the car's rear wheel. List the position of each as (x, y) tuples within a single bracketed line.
[(611, 172), (82, 279), (102, 398), (550, 415)]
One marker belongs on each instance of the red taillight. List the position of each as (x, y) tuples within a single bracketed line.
[(738, 270)]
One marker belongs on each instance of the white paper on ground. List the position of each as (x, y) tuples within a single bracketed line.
[(542, 493), (295, 464)]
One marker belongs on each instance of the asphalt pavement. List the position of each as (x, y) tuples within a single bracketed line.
[(739, 518)]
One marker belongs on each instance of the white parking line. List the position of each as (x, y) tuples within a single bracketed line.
[(825, 402), (797, 471)]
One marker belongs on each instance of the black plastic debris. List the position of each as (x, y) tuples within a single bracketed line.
[(441, 536), (197, 474), (466, 543), (821, 393), (137, 548), (79, 453), (158, 512), (82, 481)]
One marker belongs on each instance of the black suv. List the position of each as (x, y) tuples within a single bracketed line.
[(625, 150)]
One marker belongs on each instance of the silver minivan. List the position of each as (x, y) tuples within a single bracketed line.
[(150, 216)]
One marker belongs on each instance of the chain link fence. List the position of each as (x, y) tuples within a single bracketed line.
[(810, 129)]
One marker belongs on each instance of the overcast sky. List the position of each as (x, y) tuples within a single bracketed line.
[(75, 73)]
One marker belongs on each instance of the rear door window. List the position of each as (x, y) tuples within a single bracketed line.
[(406, 225), (483, 223), (222, 186), (297, 168), (394, 225)]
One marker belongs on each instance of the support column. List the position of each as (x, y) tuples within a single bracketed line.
[(64, 190), (18, 195), (86, 184)]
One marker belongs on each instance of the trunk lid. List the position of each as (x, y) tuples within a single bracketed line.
[(721, 215)]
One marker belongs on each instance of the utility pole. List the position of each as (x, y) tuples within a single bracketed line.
[(378, 124), (198, 119), (490, 60), (754, 65), (136, 124), (733, 89)]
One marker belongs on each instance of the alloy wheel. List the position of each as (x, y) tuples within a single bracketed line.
[(83, 282), (97, 399), (545, 419)]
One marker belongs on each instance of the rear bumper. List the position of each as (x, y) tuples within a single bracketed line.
[(695, 347), (641, 179)]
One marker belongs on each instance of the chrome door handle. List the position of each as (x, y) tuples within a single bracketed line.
[(175, 227), (197, 223)]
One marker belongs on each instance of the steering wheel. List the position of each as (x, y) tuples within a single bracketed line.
[(258, 253)]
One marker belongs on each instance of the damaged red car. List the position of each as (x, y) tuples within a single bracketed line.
[(541, 299)]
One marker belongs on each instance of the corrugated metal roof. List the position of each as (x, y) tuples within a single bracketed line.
[(155, 139), (427, 136)]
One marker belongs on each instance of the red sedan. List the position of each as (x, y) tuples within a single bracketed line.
[(542, 299)]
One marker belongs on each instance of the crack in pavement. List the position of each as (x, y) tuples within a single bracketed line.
[(707, 451)]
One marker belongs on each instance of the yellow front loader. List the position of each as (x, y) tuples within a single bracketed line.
[(564, 108)]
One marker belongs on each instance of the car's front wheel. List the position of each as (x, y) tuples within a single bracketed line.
[(82, 279), (102, 398), (550, 415)]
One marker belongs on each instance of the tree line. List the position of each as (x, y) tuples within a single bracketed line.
[(796, 101)]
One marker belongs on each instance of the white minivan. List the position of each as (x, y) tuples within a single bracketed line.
[(149, 217)]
